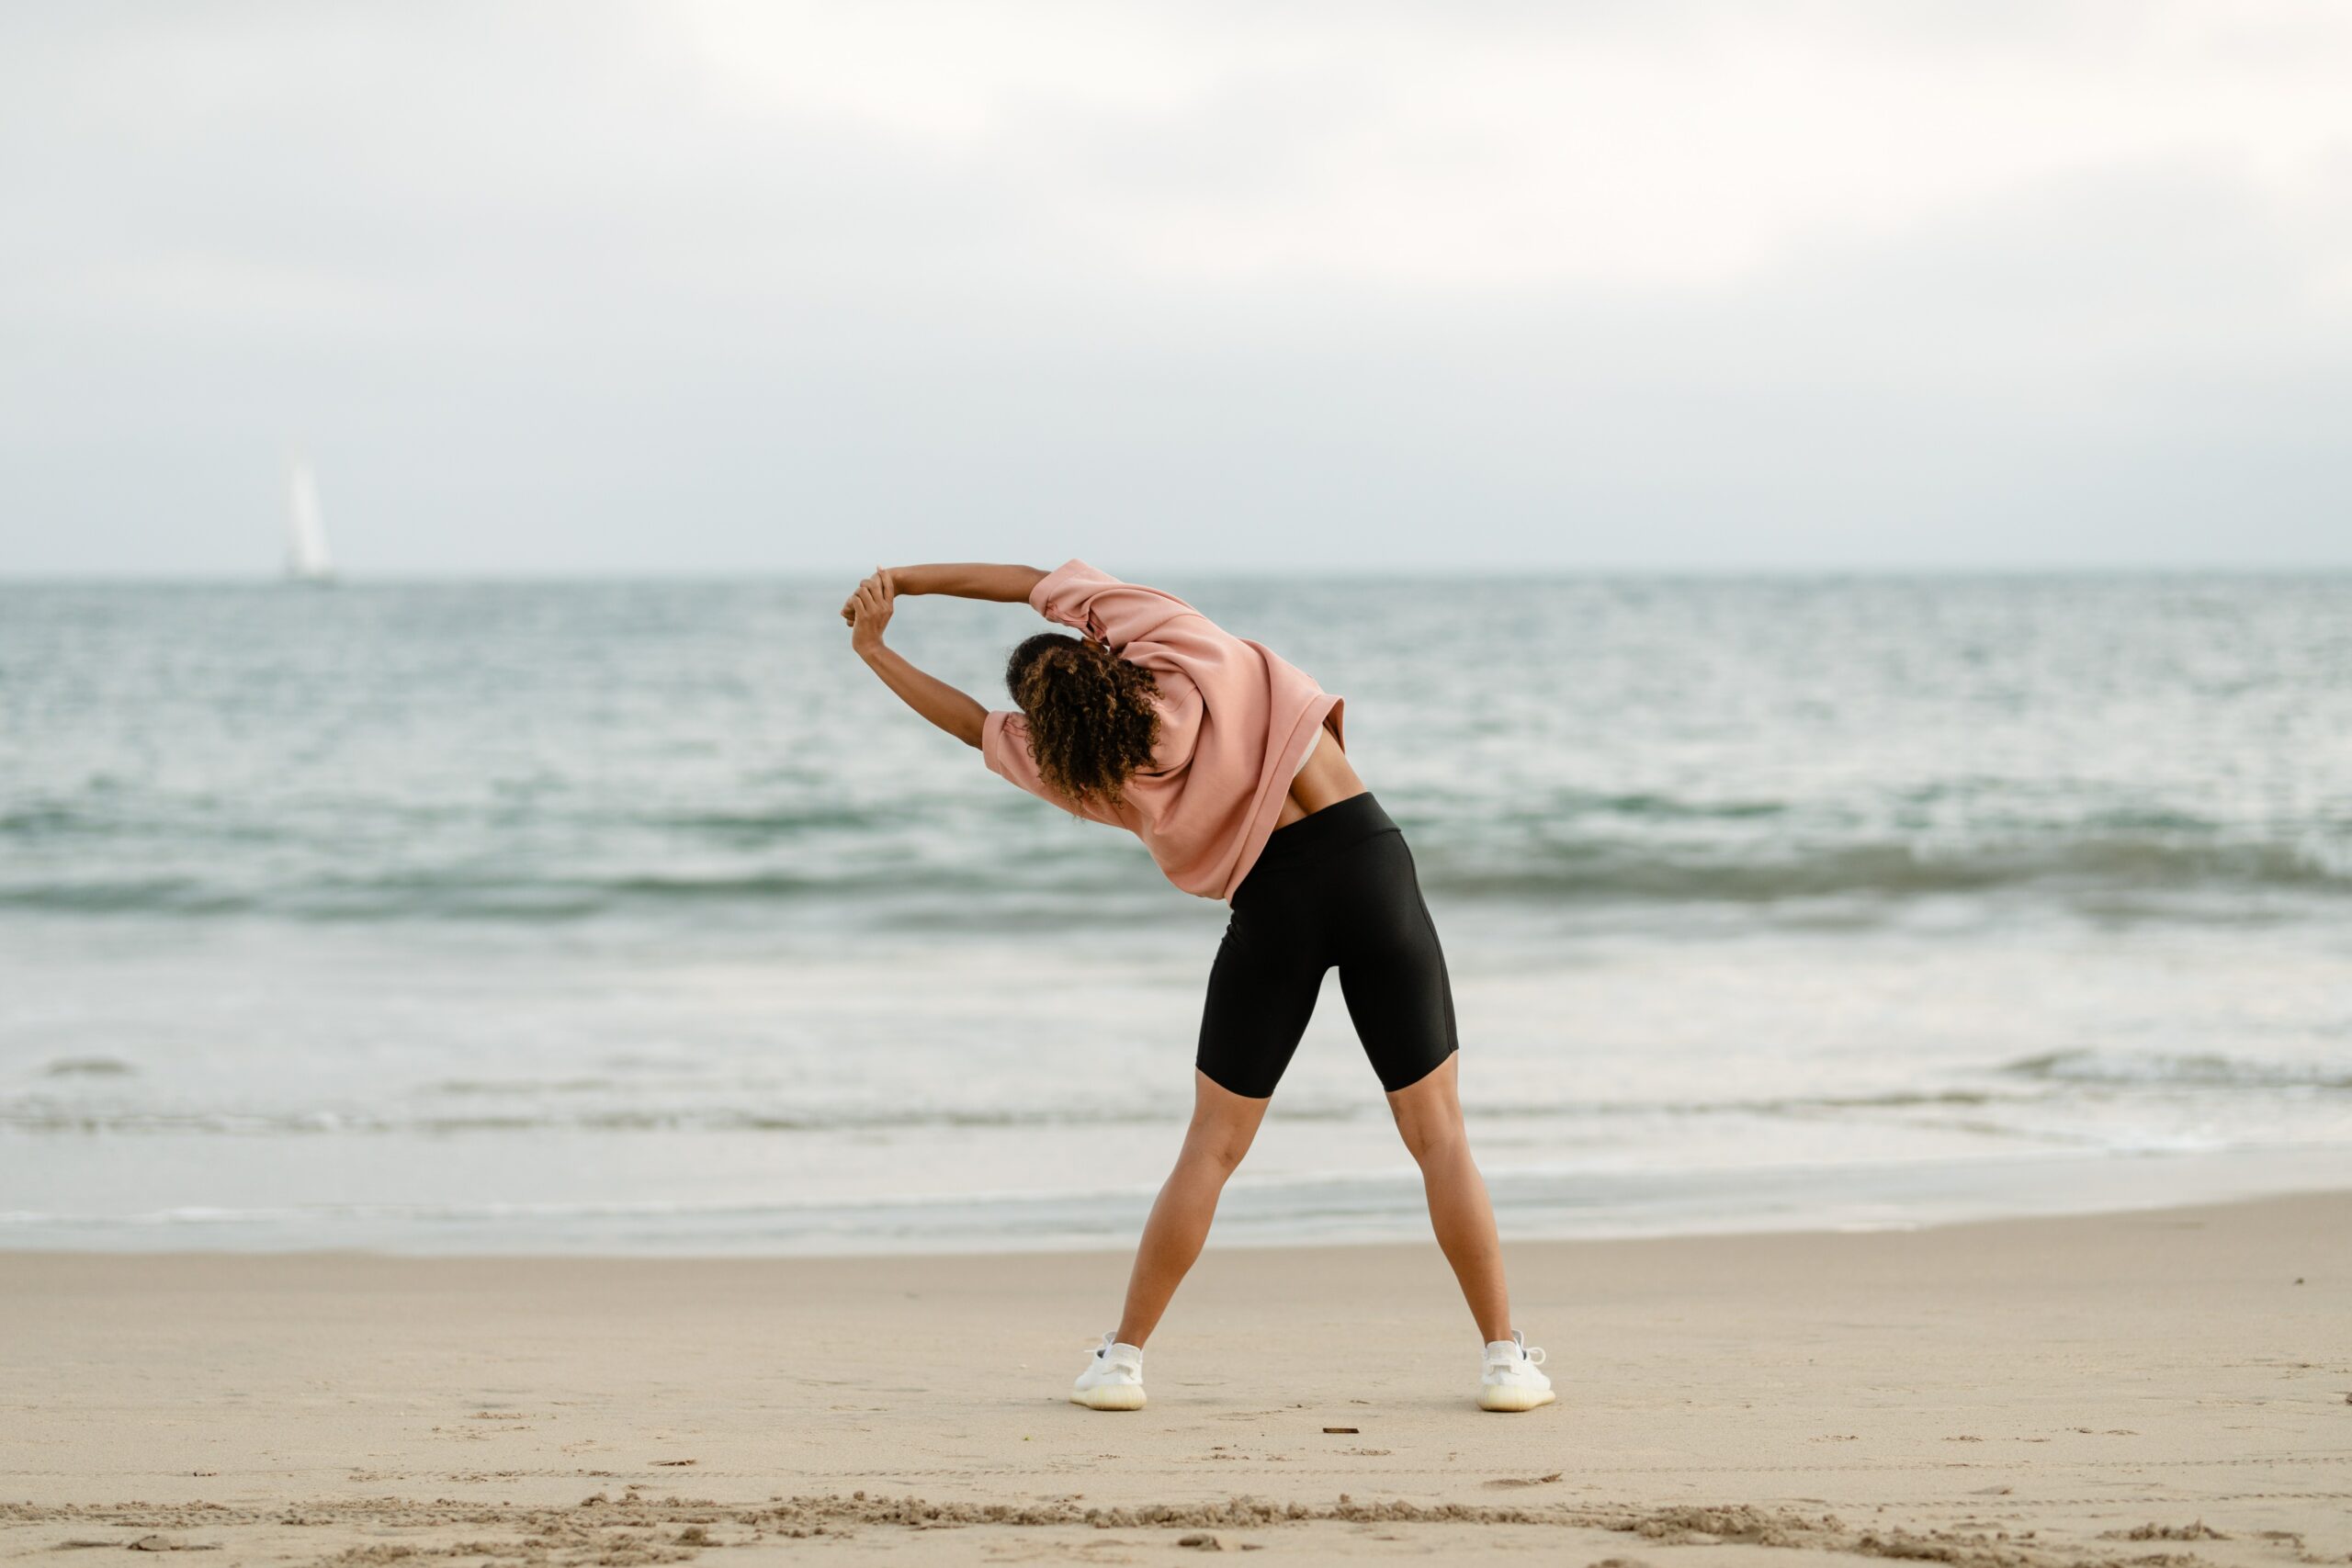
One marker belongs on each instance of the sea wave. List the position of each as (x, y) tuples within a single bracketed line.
[(1896, 869), (2195, 1070), (1576, 872), (539, 1108)]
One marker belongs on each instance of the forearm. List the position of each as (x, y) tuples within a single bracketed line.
[(952, 710), (968, 580)]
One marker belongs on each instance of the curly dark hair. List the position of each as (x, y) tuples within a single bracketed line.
[(1092, 721)]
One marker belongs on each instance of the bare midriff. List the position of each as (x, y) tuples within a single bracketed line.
[(1327, 779)]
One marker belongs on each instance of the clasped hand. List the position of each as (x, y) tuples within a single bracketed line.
[(868, 609)]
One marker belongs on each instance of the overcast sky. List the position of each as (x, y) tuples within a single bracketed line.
[(764, 288)]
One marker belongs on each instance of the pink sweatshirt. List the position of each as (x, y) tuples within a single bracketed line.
[(1235, 725)]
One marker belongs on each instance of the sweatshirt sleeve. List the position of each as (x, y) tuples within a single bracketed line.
[(1081, 597), (1004, 746)]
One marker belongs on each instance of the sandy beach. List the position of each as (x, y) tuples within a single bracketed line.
[(2164, 1388)]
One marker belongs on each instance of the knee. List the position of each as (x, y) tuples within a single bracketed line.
[(1433, 1141), (1215, 1150)]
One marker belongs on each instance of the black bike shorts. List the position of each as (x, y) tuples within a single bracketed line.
[(1335, 887)]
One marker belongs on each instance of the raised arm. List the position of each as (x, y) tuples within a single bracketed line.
[(869, 611), (968, 580)]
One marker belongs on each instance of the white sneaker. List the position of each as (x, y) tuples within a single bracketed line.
[(1112, 1380), (1510, 1381)]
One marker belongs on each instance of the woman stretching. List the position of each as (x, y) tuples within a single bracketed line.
[(1209, 748)]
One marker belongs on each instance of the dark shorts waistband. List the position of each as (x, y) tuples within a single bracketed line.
[(1318, 833)]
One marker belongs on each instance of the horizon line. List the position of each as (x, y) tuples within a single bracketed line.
[(346, 577)]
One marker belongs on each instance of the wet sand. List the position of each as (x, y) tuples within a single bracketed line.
[(2165, 1388)]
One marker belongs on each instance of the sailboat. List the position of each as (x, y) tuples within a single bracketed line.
[(306, 533)]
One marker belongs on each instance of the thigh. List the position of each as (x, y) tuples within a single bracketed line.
[(1261, 992), (1392, 969)]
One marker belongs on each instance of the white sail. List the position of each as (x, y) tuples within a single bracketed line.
[(306, 540)]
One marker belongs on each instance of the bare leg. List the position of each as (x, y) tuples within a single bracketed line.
[(1428, 1114), (1224, 1123)]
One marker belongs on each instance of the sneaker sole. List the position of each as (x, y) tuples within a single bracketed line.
[(1111, 1396), (1507, 1400)]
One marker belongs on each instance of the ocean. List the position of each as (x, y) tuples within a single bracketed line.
[(638, 917)]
